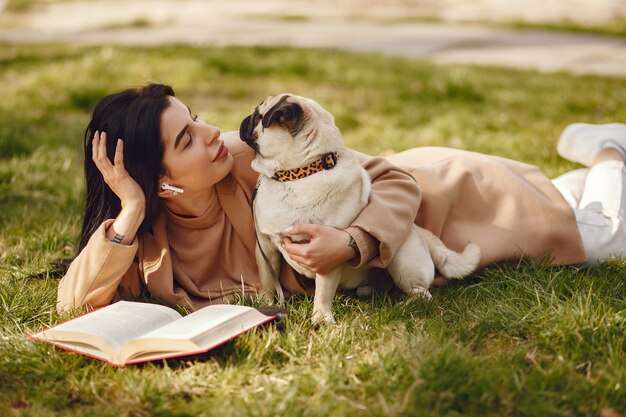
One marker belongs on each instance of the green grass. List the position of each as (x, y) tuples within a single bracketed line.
[(521, 340), (611, 27), (279, 17), (139, 22), (20, 6)]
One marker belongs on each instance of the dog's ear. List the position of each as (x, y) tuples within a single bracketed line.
[(246, 131), (284, 114)]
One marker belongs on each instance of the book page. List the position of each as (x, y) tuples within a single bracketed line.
[(198, 322), (118, 323), (84, 348)]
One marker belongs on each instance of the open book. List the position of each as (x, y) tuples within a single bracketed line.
[(129, 332)]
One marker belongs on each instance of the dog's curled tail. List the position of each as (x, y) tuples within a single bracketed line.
[(451, 264)]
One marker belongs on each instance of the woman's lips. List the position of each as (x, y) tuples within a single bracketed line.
[(221, 153)]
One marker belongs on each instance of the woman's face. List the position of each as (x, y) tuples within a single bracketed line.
[(194, 157)]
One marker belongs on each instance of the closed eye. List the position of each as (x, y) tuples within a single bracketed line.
[(189, 141)]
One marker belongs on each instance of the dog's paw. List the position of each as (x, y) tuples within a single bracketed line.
[(364, 291), (419, 292), (322, 317), (269, 297)]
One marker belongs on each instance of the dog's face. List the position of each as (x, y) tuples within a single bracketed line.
[(286, 130)]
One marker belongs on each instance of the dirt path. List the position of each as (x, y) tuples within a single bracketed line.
[(394, 27)]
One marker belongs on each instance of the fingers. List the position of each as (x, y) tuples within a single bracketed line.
[(94, 146), (118, 159), (99, 153), (303, 253), (303, 229), (295, 249), (100, 158), (102, 150), (296, 253)]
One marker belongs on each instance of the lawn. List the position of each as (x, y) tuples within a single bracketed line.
[(521, 340)]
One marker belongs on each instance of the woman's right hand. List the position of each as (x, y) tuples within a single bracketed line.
[(115, 175)]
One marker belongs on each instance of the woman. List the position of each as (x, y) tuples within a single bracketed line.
[(168, 209), (196, 246)]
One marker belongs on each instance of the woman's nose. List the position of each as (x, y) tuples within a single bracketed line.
[(212, 133)]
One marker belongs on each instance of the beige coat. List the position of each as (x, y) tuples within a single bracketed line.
[(508, 208)]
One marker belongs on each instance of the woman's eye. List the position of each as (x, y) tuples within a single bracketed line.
[(195, 117), (190, 139)]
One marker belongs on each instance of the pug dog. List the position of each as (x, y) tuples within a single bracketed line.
[(307, 175)]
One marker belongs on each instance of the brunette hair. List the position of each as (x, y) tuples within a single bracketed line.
[(134, 115)]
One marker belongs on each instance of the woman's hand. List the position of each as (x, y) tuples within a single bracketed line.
[(326, 250), (115, 175), (131, 195)]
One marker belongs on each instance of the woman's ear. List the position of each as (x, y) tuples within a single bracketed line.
[(166, 194), (167, 191)]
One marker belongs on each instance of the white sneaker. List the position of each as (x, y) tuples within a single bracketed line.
[(581, 142)]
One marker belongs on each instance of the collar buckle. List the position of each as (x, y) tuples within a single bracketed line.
[(329, 160)]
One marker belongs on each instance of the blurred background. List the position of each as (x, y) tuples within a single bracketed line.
[(466, 31)]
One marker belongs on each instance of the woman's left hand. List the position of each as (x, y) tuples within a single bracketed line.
[(326, 250)]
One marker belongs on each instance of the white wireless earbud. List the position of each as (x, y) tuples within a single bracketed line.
[(175, 190)]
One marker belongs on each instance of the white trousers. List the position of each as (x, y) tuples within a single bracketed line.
[(598, 197)]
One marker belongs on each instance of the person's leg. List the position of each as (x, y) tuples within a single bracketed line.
[(582, 142), (610, 153), (602, 204), (572, 185)]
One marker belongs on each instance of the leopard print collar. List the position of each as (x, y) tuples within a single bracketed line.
[(326, 161)]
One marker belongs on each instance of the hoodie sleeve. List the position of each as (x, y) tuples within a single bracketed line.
[(383, 225), (100, 273)]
